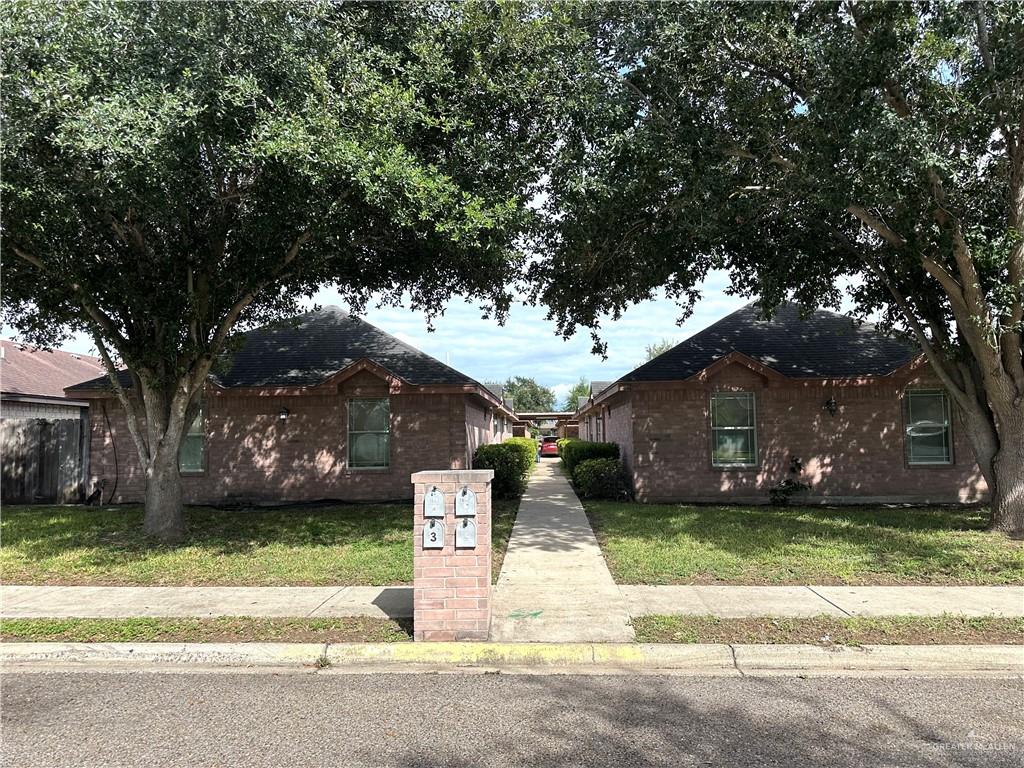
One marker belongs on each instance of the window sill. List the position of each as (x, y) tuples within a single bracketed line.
[(367, 469), (735, 466)]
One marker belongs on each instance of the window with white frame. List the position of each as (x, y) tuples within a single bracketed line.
[(733, 429), (928, 437), (369, 433), (192, 454)]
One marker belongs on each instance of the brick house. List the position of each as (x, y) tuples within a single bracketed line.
[(723, 415), (325, 406)]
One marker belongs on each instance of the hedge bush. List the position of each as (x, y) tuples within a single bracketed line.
[(602, 479), (573, 452), (528, 446), (511, 467)]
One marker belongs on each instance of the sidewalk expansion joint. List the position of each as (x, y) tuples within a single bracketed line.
[(834, 605), (325, 602)]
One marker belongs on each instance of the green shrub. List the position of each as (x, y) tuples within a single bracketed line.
[(529, 448), (510, 464), (573, 452), (602, 479)]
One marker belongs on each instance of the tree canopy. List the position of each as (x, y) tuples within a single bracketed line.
[(803, 146), (529, 396), (572, 398), (657, 348), (176, 171)]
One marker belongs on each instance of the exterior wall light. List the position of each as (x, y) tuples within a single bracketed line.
[(283, 415), (832, 406)]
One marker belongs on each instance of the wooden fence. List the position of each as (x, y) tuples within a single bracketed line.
[(40, 460)]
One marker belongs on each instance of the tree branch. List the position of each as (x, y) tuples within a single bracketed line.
[(131, 415)]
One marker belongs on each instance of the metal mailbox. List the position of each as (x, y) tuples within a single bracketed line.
[(465, 503), (433, 535), (465, 533), (433, 504)]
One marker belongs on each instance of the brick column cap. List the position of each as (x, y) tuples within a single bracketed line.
[(454, 476)]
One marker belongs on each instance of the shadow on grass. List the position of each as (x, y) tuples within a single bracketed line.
[(112, 537), (915, 543)]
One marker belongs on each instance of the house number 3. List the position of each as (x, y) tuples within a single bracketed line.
[(433, 535)]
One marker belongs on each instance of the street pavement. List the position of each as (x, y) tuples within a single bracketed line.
[(329, 719)]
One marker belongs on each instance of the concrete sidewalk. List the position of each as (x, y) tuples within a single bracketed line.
[(396, 602), (200, 602), (554, 584), (734, 602)]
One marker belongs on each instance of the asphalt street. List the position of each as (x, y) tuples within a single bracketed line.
[(413, 721)]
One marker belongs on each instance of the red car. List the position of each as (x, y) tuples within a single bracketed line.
[(549, 446)]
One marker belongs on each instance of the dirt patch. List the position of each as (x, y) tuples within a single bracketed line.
[(825, 630)]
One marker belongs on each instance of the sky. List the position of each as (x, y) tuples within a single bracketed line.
[(527, 344)]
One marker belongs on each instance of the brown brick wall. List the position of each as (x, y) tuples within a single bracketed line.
[(252, 455), (856, 455)]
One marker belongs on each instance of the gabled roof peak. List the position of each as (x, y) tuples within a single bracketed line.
[(795, 343)]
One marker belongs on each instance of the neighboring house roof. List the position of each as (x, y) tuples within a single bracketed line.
[(821, 345), (308, 349), (34, 372), (597, 387)]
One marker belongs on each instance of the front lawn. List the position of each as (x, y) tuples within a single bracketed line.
[(679, 544), (345, 544)]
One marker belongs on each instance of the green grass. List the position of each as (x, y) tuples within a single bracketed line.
[(831, 630), (222, 629), (677, 544), (301, 545)]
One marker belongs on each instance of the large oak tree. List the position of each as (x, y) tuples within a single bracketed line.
[(174, 172), (799, 146)]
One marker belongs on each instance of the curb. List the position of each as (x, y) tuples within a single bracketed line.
[(525, 658)]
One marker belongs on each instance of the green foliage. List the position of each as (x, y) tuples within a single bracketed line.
[(601, 479), (175, 172), (744, 136), (580, 389), (162, 160), (510, 464), (573, 451), (529, 396), (528, 447), (807, 149), (652, 351)]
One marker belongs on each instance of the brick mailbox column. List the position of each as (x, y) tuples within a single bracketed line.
[(451, 569)]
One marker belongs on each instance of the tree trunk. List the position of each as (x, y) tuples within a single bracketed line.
[(1008, 467), (165, 516), (167, 410)]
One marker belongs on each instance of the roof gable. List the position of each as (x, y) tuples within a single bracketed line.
[(821, 345)]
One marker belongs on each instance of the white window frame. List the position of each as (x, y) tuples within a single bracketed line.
[(908, 395), (350, 432), (197, 429), (714, 429)]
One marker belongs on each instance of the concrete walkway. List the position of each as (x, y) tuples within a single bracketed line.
[(396, 602), (730, 602), (200, 602), (554, 584)]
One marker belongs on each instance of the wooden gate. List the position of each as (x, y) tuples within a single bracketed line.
[(40, 460)]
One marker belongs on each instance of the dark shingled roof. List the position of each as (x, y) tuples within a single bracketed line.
[(312, 347), (822, 345)]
